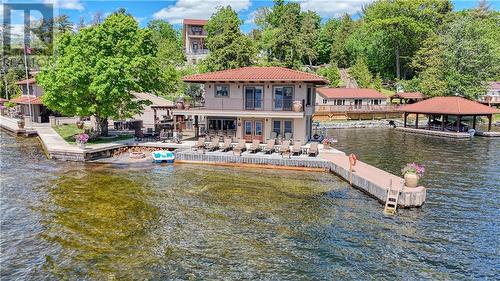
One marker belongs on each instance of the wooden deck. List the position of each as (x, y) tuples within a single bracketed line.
[(434, 133)]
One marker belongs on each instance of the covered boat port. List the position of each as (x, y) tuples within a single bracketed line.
[(446, 117)]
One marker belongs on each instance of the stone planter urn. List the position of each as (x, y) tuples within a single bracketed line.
[(180, 105), (79, 124), (411, 179), (20, 124), (297, 106)]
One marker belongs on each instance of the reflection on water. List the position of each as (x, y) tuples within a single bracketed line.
[(83, 221)]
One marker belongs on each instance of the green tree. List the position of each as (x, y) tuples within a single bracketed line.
[(97, 69), (228, 47), (339, 51), (361, 73), (169, 42), (332, 74), (326, 37), (308, 36), (377, 82), (8, 86)]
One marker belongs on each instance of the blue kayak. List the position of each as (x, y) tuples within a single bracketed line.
[(163, 156)]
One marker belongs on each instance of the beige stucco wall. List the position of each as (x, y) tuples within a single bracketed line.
[(235, 101)]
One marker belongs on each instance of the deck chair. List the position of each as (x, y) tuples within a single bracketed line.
[(255, 147), (226, 146), (240, 147), (269, 146), (214, 144), (200, 144), (274, 135), (288, 136), (296, 148), (285, 148), (313, 149)]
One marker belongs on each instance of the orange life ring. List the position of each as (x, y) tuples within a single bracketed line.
[(352, 159)]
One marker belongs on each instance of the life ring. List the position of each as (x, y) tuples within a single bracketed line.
[(352, 159)]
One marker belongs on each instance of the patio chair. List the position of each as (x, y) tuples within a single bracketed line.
[(226, 146), (285, 148), (255, 147), (200, 144), (240, 147), (214, 144), (296, 149), (288, 136), (164, 136), (274, 135), (139, 135), (313, 149), (269, 146)]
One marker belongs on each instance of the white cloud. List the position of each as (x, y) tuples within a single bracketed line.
[(196, 9), (251, 18), (66, 4), (333, 8)]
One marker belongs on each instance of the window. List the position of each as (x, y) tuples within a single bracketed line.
[(309, 95), (281, 127), (283, 98), (221, 91), (222, 124), (253, 98), (196, 30), (325, 101), (277, 127), (248, 127), (258, 128)]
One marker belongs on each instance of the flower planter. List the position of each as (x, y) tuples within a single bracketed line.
[(411, 180), (79, 124), (297, 106)]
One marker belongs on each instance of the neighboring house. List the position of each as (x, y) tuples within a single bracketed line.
[(408, 97), (357, 98), (256, 103), (31, 95), (160, 109), (492, 97), (352, 103), (194, 36)]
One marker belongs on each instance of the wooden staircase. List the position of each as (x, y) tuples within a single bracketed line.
[(391, 202)]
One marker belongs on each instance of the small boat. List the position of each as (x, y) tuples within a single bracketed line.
[(163, 156)]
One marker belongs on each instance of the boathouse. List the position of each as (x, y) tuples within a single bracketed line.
[(447, 116), (255, 103)]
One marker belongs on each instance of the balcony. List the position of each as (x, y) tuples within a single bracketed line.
[(356, 108), (197, 52), (489, 99)]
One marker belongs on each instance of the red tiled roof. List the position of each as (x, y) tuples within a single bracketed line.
[(257, 74), (194, 21), (449, 106), (23, 82), (409, 95), (25, 100), (350, 93)]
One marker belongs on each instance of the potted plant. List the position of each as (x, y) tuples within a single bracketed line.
[(297, 106), (79, 124), (412, 172), (81, 140)]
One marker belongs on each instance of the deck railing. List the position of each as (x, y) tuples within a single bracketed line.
[(356, 108)]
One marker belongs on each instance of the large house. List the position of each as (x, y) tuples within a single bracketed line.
[(31, 98), (256, 103), (193, 36)]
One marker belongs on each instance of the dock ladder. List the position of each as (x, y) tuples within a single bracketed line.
[(391, 202)]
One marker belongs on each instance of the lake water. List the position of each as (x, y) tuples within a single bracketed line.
[(192, 222)]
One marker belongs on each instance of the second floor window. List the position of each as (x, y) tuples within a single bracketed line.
[(221, 91), (197, 30), (253, 98), (283, 98)]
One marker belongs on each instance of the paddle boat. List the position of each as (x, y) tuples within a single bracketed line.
[(163, 156)]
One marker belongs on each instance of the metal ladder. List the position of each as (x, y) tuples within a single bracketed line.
[(391, 202)]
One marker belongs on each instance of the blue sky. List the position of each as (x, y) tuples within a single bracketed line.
[(174, 11)]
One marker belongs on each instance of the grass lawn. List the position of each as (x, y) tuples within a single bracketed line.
[(387, 93), (68, 132)]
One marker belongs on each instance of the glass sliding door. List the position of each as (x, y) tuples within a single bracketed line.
[(253, 130), (283, 98)]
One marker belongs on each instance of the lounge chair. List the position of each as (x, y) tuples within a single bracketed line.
[(226, 146), (240, 147), (285, 148), (269, 146), (255, 147), (296, 149), (313, 149), (214, 144), (200, 144)]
